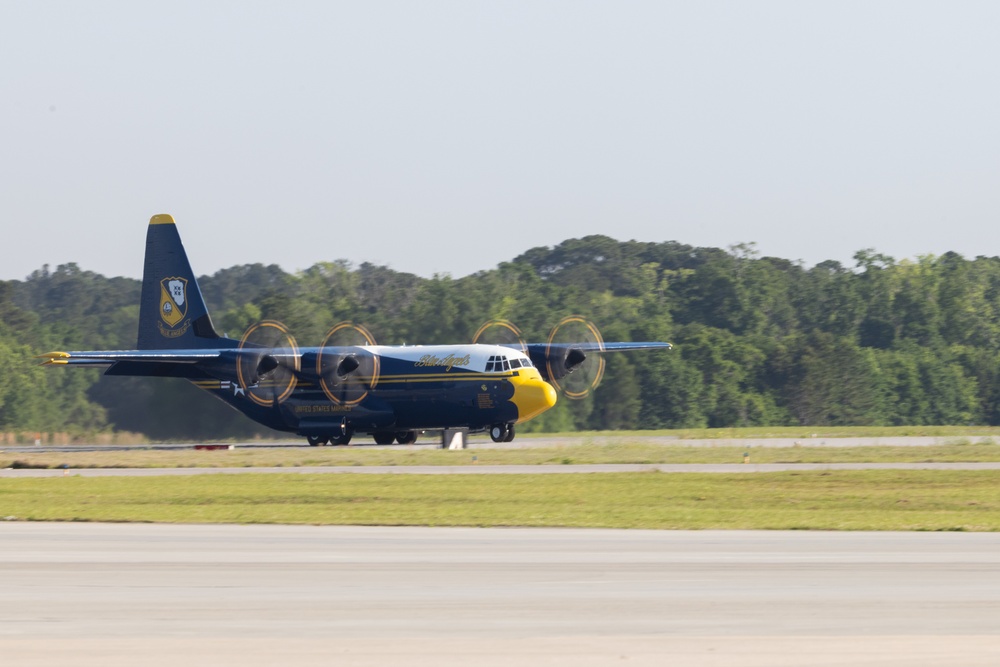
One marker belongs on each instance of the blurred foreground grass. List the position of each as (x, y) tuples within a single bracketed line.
[(819, 500)]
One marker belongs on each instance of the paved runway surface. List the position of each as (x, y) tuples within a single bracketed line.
[(128, 594)]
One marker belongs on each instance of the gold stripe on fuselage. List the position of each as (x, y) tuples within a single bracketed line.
[(391, 379), (446, 377), (403, 379)]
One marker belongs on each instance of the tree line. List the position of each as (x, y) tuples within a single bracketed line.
[(758, 340)]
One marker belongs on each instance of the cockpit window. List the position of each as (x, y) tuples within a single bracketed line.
[(499, 363)]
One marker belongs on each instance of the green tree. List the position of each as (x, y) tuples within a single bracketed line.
[(836, 383)]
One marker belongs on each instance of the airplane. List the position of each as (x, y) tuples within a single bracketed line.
[(349, 385)]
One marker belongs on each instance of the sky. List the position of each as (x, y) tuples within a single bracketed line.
[(447, 137)]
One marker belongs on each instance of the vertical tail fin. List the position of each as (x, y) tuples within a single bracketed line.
[(172, 312)]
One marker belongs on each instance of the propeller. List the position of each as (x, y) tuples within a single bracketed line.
[(347, 368), (500, 332), (268, 363), (572, 360)]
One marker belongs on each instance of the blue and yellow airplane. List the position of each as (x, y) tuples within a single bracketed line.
[(348, 385)]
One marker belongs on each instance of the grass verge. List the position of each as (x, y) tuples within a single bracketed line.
[(798, 432), (616, 450), (822, 500)]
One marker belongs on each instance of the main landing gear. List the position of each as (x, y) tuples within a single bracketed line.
[(502, 432), (381, 438), (320, 440), (406, 437), (388, 437)]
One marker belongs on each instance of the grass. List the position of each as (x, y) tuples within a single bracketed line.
[(793, 432), (815, 500), (606, 450), (820, 500)]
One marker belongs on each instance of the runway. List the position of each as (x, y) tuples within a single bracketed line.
[(128, 594)]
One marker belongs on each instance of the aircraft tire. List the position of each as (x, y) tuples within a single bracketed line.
[(406, 437), (344, 439), (510, 433), (384, 438), (498, 432), (316, 440)]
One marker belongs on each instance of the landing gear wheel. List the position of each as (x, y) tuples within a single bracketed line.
[(510, 433), (384, 438), (316, 440), (499, 432), (344, 439), (406, 437)]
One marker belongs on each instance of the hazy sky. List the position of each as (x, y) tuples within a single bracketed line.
[(450, 136)]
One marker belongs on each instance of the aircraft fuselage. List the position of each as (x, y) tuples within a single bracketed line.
[(418, 387)]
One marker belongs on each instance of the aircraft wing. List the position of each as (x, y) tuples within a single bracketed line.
[(541, 348), (555, 360)]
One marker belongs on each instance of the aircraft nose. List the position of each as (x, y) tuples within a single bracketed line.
[(532, 397)]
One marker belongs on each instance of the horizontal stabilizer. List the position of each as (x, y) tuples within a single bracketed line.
[(106, 358)]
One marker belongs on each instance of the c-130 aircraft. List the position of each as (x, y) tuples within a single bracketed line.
[(348, 385)]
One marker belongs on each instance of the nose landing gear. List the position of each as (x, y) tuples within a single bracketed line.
[(502, 432)]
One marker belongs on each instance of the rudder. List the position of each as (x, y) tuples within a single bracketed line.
[(172, 311)]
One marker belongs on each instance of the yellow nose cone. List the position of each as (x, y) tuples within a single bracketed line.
[(532, 395)]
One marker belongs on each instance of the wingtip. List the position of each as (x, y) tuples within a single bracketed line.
[(53, 358)]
